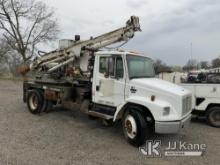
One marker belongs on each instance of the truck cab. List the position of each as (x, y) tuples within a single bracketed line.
[(125, 81)]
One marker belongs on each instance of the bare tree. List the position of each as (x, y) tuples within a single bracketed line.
[(204, 64), (26, 23), (4, 49), (10, 60), (161, 67), (216, 63)]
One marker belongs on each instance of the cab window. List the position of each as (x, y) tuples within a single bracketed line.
[(119, 68), (103, 65), (111, 66)]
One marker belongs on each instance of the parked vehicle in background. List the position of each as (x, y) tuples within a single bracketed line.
[(205, 87), (206, 101)]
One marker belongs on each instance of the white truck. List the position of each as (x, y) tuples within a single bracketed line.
[(117, 85), (205, 88), (206, 96)]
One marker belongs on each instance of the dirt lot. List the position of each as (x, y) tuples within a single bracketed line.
[(68, 137)]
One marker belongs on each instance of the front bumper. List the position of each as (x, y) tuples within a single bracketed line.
[(171, 127)]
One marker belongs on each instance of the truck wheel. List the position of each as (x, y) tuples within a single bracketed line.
[(45, 102), (134, 127), (34, 101), (213, 116), (49, 106)]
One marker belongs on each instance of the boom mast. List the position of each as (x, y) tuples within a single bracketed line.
[(79, 48)]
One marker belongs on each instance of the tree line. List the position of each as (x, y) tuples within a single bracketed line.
[(191, 64)]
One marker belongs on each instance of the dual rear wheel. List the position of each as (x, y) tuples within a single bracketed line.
[(37, 103)]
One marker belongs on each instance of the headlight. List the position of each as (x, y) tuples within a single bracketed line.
[(166, 111)]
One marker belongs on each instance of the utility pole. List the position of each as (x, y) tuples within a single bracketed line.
[(191, 51), (191, 58)]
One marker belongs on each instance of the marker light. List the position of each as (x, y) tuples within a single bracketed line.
[(152, 98)]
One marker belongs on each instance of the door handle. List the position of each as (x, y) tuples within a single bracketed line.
[(97, 87)]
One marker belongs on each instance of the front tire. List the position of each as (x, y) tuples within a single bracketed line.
[(213, 116), (134, 127)]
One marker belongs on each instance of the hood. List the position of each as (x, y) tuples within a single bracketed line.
[(163, 90), (155, 84)]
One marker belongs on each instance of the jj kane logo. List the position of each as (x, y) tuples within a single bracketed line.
[(175, 148)]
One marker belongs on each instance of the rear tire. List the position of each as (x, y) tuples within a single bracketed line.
[(135, 127), (45, 102), (213, 116), (49, 106), (35, 101)]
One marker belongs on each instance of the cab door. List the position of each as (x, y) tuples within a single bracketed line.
[(110, 80)]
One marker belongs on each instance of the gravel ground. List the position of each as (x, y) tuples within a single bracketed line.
[(68, 137)]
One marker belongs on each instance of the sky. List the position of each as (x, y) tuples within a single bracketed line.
[(169, 27)]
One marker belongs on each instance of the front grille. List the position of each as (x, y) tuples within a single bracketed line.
[(186, 105)]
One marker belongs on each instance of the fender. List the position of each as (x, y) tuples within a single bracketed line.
[(155, 107)]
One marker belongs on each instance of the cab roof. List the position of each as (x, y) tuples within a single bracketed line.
[(120, 52)]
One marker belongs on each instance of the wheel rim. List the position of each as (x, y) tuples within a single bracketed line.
[(33, 102), (130, 127), (215, 117)]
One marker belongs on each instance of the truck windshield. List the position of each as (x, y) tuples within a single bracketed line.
[(140, 67)]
